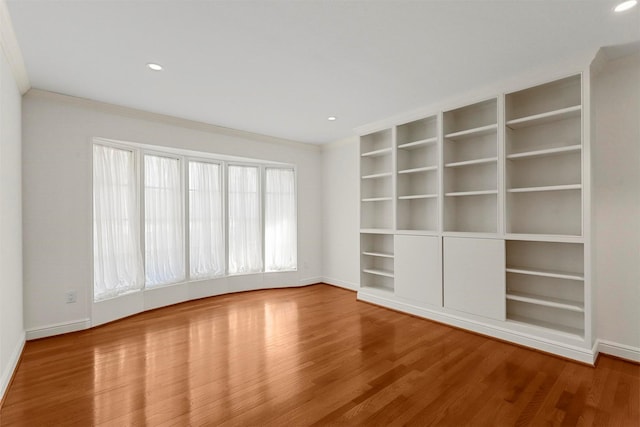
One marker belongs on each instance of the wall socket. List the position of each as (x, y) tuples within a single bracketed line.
[(71, 296)]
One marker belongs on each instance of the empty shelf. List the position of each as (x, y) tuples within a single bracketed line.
[(470, 133), (418, 144), (418, 196), (563, 329), (384, 273), (546, 301), (377, 175), (416, 170), (377, 199), (550, 116), (546, 152), (545, 188), (471, 162), (471, 193), (378, 254), (545, 273), (374, 153)]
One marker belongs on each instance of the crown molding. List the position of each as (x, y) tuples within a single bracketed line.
[(11, 48), (166, 119)]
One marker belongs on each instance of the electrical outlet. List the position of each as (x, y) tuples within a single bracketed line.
[(71, 296)]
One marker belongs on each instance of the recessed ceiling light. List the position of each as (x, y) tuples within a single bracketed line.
[(625, 5), (331, 118), (154, 67)]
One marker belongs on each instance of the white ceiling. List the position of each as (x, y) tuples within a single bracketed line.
[(280, 68)]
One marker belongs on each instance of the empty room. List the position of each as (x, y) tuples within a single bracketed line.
[(319, 212)]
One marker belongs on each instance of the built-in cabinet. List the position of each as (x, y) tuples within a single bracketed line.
[(474, 215)]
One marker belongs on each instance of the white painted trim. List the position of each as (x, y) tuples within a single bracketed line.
[(619, 350), (167, 120), (11, 366), (58, 329), (306, 281), (11, 48), (341, 283), (565, 350)]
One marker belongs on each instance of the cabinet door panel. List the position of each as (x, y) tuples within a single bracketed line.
[(474, 276), (418, 269)]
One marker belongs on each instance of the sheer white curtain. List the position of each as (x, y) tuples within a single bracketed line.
[(280, 236), (164, 247), (245, 237), (117, 258), (206, 233)]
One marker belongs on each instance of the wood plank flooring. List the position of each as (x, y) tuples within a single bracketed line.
[(305, 356)]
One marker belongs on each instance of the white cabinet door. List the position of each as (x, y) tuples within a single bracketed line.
[(474, 276), (418, 269)]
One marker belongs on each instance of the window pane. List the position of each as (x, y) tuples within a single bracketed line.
[(280, 220), (245, 240), (206, 235), (164, 248), (117, 259)]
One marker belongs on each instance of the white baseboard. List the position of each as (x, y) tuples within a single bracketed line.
[(341, 283), (619, 350), (12, 364), (584, 355), (58, 328), (309, 281)]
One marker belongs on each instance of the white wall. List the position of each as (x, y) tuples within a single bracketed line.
[(57, 205), (616, 202), (11, 323), (340, 221)]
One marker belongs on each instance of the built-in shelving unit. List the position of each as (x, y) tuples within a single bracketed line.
[(376, 180), (470, 153), (543, 140), (417, 158), (474, 216), (377, 261), (545, 285)]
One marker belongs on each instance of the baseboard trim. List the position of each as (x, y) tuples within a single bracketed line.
[(622, 351), (309, 281), (7, 375), (58, 329), (584, 355), (341, 283)]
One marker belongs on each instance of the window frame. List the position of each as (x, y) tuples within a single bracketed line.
[(184, 156)]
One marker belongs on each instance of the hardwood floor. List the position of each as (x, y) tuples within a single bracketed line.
[(305, 356)]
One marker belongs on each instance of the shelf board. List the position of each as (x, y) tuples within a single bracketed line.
[(545, 188), (560, 303), (471, 162), (377, 175), (546, 152), (470, 133), (418, 196), (375, 153), (377, 199), (416, 170), (561, 329), (471, 193), (418, 232), (377, 272), (550, 116), (376, 231), (558, 238), (545, 273), (376, 289), (378, 254), (418, 144)]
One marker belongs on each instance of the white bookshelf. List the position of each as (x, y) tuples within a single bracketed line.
[(377, 261), (376, 180), (470, 158), (417, 159), (475, 216), (545, 285), (543, 142)]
